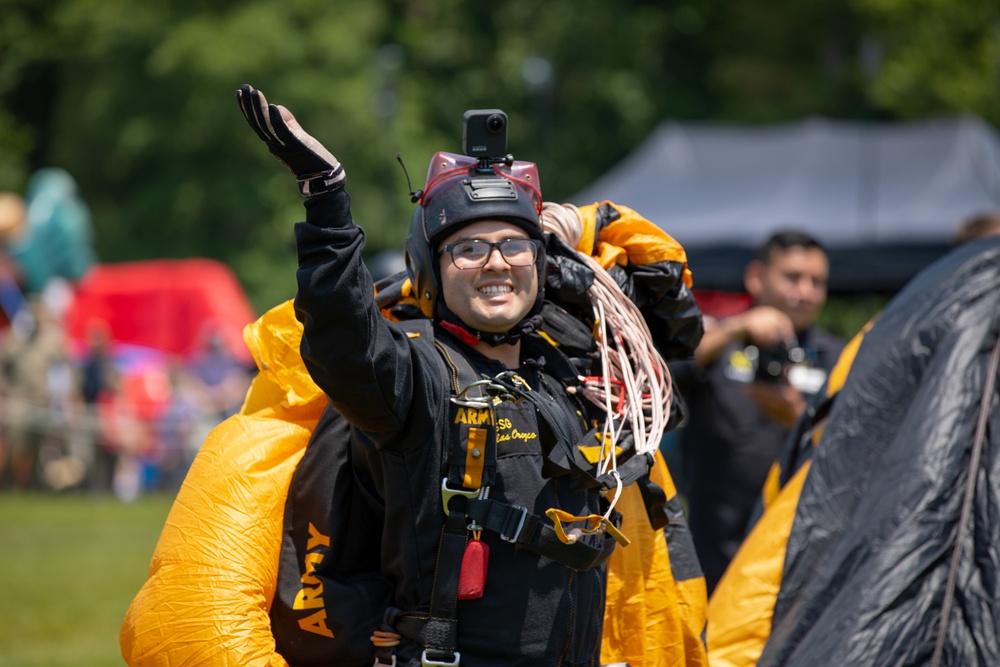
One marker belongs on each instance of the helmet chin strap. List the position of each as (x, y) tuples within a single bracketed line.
[(469, 336)]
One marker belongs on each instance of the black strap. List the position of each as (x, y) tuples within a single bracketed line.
[(566, 456), (632, 470), (461, 376), (437, 631), (655, 499), (516, 525), (440, 633)]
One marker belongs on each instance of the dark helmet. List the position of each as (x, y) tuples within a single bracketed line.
[(458, 193)]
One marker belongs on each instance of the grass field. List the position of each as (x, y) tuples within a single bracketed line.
[(69, 566)]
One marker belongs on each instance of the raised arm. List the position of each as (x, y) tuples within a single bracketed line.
[(363, 363)]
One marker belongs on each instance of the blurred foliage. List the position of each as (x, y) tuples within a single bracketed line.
[(933, 57), (846, 314), (136, 99)]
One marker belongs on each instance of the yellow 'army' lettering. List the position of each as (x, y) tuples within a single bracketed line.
[(474, 416), (316, 623), (311, 561), (316, 539), (310, 596)]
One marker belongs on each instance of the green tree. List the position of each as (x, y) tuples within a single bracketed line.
[(158, 140), (135, 100), (934, 57)]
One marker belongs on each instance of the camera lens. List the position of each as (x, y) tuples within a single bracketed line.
[(496, 123)]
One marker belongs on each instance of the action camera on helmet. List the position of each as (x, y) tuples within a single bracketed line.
[(484, 133)]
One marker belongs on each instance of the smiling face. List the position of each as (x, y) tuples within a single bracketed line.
[(496, 296)]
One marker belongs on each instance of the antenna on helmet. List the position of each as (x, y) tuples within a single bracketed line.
[(415, 195)]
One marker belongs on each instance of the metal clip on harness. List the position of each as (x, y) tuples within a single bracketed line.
[(447, 493), (520, 525), (462, 398), (426, 661)]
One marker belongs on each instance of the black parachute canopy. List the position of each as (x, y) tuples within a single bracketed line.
[(879, 528)]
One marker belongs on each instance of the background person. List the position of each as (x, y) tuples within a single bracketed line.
[(977, 227), (98, 377), (35, 384), (222, 379), (740, 413)]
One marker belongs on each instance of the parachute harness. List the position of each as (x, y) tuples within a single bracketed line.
[(634, 388)]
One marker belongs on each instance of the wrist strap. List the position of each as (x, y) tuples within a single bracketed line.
[(321, 183)]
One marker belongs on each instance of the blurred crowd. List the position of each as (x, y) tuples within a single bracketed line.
[(98, 416)]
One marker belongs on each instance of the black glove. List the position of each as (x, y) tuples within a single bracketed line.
[(315, 168)]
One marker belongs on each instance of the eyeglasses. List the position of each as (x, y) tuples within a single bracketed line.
[(475, 253)]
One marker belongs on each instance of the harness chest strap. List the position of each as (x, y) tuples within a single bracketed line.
[(470, 465), (471, 458), (474, 452), (516, 525), (438, 630)]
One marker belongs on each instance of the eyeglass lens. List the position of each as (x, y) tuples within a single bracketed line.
[(475, 253)]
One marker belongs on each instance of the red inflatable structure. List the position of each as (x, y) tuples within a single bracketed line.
[(171, 305)]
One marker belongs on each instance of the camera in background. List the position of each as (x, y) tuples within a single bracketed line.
[(798, 366)]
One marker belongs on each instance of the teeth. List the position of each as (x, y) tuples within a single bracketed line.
[(494, 290)]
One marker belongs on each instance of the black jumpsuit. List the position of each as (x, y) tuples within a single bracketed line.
[(393, 388)]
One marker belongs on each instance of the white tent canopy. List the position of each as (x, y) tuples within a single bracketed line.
[(854, 185)]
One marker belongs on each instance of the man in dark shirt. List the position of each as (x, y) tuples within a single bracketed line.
[(752, 376)]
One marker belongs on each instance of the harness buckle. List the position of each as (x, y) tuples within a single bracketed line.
[(447, 493), (426, 661), (520, 525)]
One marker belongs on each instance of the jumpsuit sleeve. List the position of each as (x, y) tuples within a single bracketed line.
[(365, 364)]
